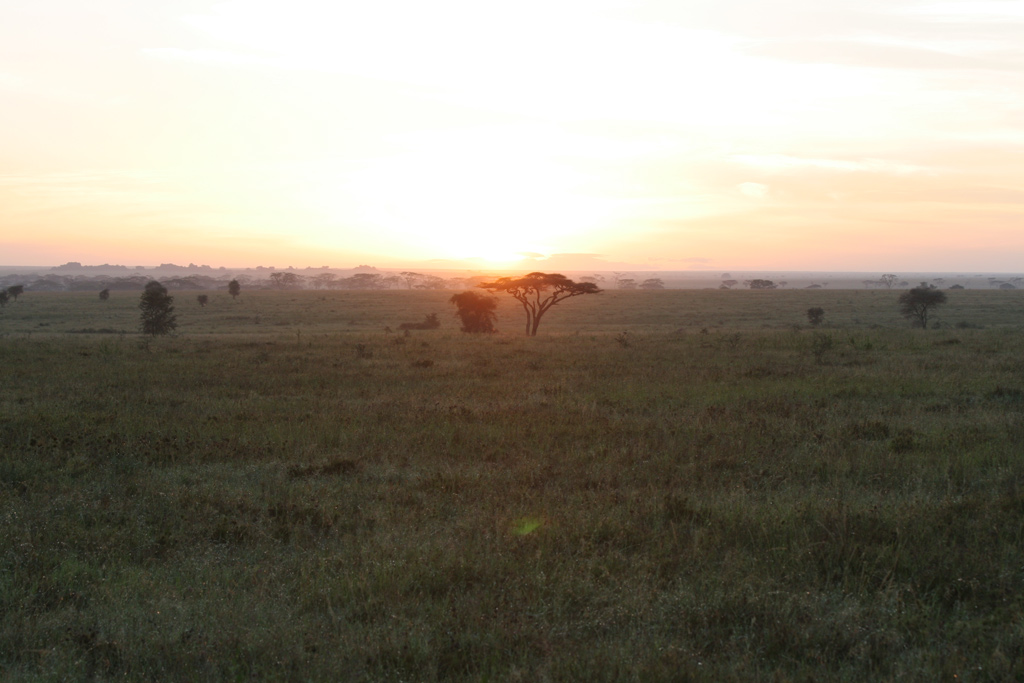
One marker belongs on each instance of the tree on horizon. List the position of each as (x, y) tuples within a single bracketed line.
[(476, 311), (538, 292), (157, 312)]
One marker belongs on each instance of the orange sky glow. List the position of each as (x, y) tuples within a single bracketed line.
[(713, 134)]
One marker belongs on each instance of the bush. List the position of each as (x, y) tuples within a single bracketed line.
[(916, 304), (157, 312), (430, 322), (476, 311)]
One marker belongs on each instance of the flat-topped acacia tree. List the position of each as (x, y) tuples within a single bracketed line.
[(538, 292)]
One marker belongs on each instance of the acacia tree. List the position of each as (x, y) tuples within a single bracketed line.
[(476, 311), (157, 312), (815, 315), (16, 291), (761, 284), (410, 278), (917, 303), (234, 289), (888, 280), (284, 280), (104, 294), (538, 292)]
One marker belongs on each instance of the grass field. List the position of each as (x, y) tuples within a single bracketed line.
[(677, 485)]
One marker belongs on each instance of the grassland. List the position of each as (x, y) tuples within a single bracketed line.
[(678, 485)]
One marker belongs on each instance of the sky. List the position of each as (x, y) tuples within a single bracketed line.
[(867, 135)]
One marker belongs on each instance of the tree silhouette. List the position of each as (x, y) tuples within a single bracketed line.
[(888, 280), (815, 315), (761, 284), (476, 311), (285, 280), (104, 294), (157, 312), (538, 292), (323, 280), (410, 278), (4, 297), (16, 291), (430, 322), (917, 303), (203, 299), (653, 283), (234, 289)]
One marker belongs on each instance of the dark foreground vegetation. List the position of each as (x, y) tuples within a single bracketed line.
[(661, 486)]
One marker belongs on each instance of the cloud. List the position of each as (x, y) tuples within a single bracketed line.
[(754, 190), (785, 162), (878, 55), (209, 56)]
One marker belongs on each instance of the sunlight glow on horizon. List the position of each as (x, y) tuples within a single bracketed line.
[(710, 135)]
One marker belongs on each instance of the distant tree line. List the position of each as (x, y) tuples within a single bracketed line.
[(282, 280)]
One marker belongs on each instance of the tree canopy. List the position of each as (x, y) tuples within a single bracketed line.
[(761, 284), (538, 292), (916, 304), (157, 312), (476, 311)]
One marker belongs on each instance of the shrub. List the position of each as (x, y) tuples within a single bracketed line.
[(157, 312), (476, 311), (916, 305), (430, 322)]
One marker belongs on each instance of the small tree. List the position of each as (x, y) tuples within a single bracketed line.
[(234, 289), (762, 284), (815, 315), (653, 283), (410, 278), (538, 292), (104, 294), (157, 312), (16, 291), (4, 297), (476, 311), (285, 280), (323, 280), (203, 300), (917, 303), (888, 280)]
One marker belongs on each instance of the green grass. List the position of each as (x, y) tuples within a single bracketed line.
[(306, 498)]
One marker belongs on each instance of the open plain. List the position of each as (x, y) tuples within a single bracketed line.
[(667, 485)]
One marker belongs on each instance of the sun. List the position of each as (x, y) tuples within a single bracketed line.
[(466, 195)]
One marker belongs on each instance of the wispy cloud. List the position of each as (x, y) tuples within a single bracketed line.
[(881, 55), (211, 56), (784, 162)]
